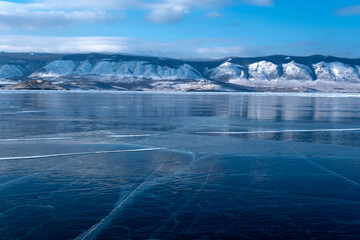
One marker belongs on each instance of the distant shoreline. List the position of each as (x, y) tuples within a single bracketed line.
[(280, 94)]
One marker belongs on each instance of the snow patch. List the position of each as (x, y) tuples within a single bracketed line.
[(6, 82)]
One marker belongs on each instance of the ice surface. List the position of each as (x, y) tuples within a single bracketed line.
[(93, 165)]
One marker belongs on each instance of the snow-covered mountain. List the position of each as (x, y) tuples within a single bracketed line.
[(226, 72), (337, 72), (14, 66), (119, 72), (117, 69), (296, 71)]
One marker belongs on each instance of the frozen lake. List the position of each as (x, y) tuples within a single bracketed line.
[(121, 165)]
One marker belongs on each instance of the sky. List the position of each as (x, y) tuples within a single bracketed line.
[(182, 28)]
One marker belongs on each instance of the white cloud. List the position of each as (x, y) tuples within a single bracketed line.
[(221, 51), (54, 13), (173, 11), (51, 13), (190, 48), (214, 15), (234, 24), (207, 4), (187, 48), (260, 3), (85, 4), (167, 14), (29, 21), (348, 11)]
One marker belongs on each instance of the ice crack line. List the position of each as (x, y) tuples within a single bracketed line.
[(79, 153), (97, 228), (33, 139), (128, 136), (323, 168), (108, 217), (174, 214), (286, 130)]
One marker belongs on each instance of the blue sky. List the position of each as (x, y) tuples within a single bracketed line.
[(183, 28)]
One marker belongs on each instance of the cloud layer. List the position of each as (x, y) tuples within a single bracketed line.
[(190, 48), (53, 13), (194, 48), (349, 11)]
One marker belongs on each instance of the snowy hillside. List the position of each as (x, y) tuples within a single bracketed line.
[(125, 72), (226, 72), (118, 70)]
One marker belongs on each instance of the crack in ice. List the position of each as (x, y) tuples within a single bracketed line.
[(174, 215), (34, 139), (109, 216), (323, 168), (79, 153), (285, 131), (128, 136), (97, 228)]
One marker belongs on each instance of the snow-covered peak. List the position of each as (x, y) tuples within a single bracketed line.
[(187, 71), (296, 71), (59, 67), (103, 68), (226, 71), (336, 71), (83, 68), (263, 70), (357, 71)]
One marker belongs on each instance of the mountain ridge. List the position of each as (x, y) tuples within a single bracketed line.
[(131, 72)]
